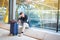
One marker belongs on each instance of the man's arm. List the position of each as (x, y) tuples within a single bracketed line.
[(19, 18), (26, 18)]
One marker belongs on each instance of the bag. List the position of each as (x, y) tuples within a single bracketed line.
[(13, 27)]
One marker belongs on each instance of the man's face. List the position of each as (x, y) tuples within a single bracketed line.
[(22, 15)]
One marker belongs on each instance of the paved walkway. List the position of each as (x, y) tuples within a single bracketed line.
[(4, 36)]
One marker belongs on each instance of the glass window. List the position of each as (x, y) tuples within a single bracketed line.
[(4, 11), (41, 14)]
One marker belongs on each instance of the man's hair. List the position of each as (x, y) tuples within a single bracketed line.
[(21, 13)]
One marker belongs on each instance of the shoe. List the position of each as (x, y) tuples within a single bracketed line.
[(20, 35), (21, 32), (10, 35)]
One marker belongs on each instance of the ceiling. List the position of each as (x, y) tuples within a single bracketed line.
[(4, 3), (51, 3)]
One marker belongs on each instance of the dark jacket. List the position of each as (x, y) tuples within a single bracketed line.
[(23, 19)]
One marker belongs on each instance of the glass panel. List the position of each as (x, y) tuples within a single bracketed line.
[(41, 14), (4, 11), (49, 19)]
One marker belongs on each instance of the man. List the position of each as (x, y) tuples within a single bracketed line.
[(22, 19)]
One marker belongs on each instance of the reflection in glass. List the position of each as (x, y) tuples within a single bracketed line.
[(4, 11), (40, 14)]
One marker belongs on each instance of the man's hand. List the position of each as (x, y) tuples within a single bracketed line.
[(19, 21)]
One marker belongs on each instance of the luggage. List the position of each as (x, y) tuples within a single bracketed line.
[(13, 27)]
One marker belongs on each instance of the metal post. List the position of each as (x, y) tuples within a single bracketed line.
[(10, 10), (14, 8), (57, 17)]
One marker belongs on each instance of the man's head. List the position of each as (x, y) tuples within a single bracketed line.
[(21, 14)]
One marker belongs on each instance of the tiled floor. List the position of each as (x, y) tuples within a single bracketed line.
[(4, 36)]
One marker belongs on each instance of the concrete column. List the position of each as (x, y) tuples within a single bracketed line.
[(14, 9), (10, 10)]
